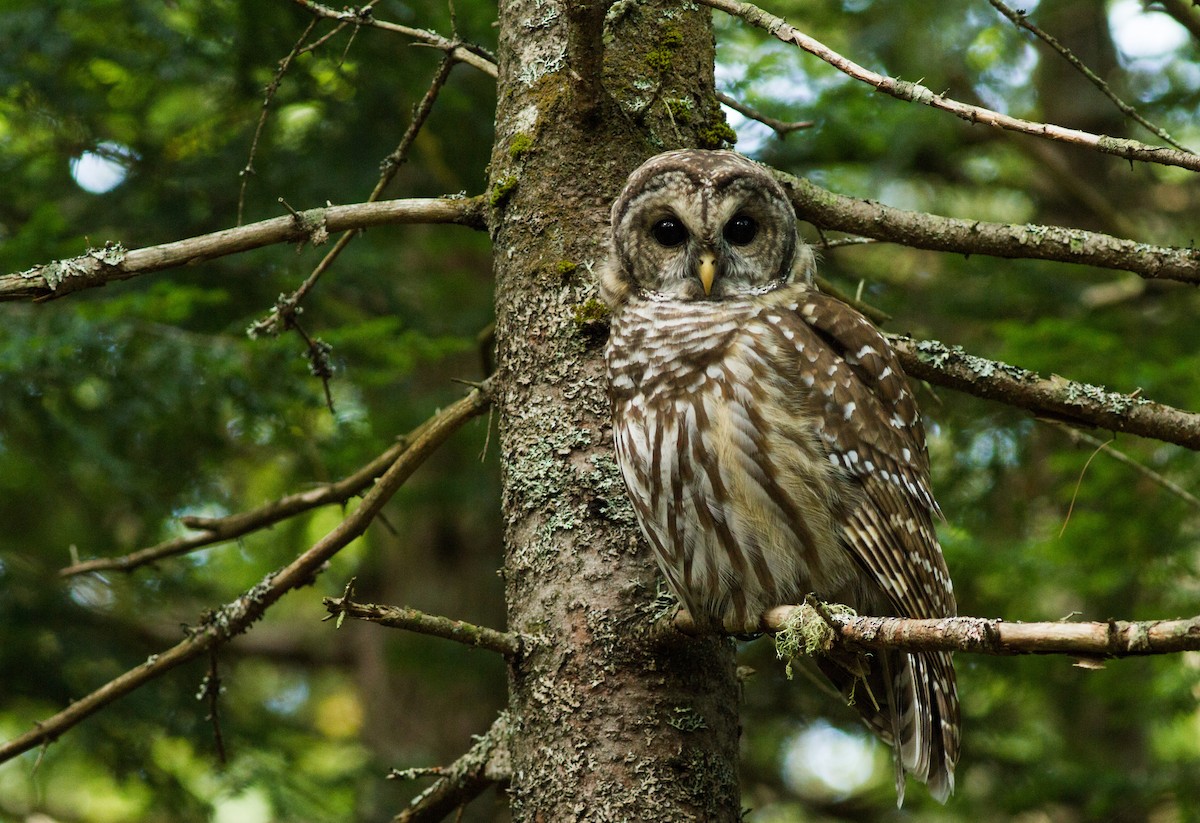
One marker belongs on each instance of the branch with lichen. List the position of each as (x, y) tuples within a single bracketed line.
[(112, 262), (401, 617), (1054, 397), (828, 210), (237, 616), (780, 29), (817, 628), (485, 763)]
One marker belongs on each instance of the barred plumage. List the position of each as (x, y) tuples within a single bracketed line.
[(768, 437)]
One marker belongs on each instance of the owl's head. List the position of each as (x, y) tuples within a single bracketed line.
[(702, 225)]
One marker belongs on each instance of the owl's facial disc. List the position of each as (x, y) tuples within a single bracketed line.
[(702, 225)]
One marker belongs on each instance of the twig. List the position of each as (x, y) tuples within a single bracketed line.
[(237, 616), (470, 54), (98, 267), (1112, 638), (400, 617), (1020, 20), (916, 93), (268, 96), (484, 764), (843, 242), (223, 529), (828, 210), (283, 315), (319, 363), (1077, 437), (320, 41), (210, 690), (1078, 485), (780, 127), (1053, 396)]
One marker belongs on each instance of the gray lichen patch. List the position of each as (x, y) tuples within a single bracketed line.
[(609, 486), (92, 263), (1086, 394), (941, 356)]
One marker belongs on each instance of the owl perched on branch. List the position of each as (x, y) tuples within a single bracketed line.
[(768, 437)]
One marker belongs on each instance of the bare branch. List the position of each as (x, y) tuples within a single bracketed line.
[(268, 95), (1113, 638), (284, 313), (470, 54), (223, 529), (1021, 20), (235, 617), (1053, 397), (914, 92), (1077, 437), (484, 764), (98, 267), (827, 210), (780, 127), (400, 617)]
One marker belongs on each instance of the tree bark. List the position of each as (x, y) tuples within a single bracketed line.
[(606, 725)]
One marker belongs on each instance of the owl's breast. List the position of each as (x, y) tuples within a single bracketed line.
[(660, 349), (726, 471)]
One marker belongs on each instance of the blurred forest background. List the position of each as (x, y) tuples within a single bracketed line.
[(123, 408)]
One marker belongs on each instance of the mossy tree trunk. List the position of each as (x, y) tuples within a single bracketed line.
[(607, 725)]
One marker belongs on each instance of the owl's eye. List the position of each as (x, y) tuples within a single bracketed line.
[(740, 230), (669, 232)]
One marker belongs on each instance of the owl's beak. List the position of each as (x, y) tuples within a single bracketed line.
[(708, 271)]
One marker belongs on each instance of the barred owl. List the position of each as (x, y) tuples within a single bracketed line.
[(768, 438)]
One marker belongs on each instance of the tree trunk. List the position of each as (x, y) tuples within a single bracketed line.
[(607, 724)]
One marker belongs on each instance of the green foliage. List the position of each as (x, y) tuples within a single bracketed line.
[(127, 407), (123, 408)]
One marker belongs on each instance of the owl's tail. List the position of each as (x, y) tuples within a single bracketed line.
[(911, 702)]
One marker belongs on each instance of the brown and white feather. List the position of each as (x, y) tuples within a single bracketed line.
[(770, 442)]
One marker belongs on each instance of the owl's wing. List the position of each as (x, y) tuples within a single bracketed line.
[(871, 427)]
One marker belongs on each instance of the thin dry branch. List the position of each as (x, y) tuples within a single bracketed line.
[(401, 617), (284, 313), (1077, 437), (462, 52), (235, 617), (214, 530), (1053, 397), (782, 128), (1112, 638), (98, 267), (1021, 20), (268, 95), (827, 210), (484, 764), (916, 93)]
